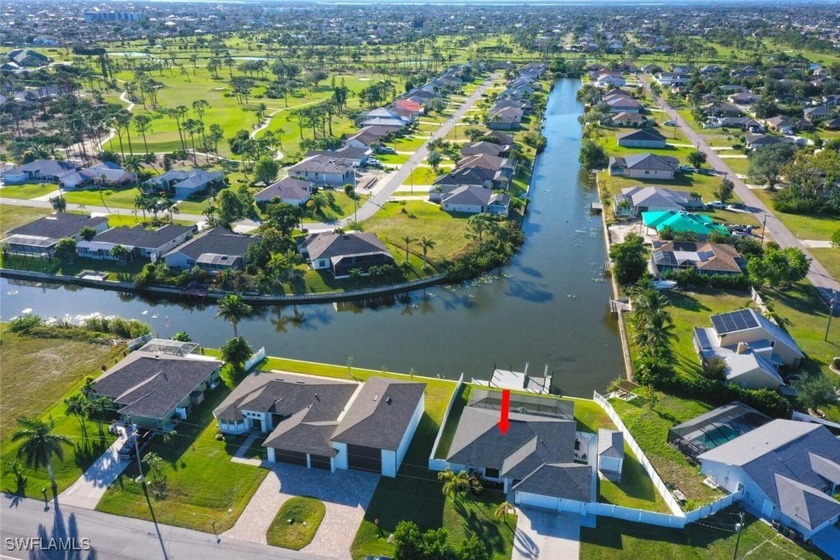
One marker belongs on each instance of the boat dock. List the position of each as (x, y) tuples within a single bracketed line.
[(518, 380)]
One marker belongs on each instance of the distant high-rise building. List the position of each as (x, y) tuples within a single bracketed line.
[(113, 16)]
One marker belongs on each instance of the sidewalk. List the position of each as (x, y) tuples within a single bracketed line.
[(90, 487)]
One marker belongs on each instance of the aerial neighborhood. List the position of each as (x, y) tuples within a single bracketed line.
[(268, 270)]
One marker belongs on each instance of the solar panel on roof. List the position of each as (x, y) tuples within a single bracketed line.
[(734, 321)]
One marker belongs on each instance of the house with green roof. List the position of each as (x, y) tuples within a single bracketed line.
[(682, 222)]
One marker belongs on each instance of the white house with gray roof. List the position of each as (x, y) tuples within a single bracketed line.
[(788, 472), (324, 169), (288, 190), (537, 460), (185, 182), (752, 347), (39, 237), (327, 423)]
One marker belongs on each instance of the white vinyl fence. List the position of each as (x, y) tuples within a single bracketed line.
[(439, 464)]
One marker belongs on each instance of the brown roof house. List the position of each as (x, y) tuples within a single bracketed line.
[(706, 258)]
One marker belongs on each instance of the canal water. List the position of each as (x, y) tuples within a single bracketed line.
[(549, 307)]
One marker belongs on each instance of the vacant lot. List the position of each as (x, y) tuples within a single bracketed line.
[(12, 217)]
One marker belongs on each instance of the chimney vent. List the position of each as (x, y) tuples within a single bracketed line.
[(743, 347)]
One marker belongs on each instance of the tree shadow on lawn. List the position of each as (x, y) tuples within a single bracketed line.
[(477, 522), (684, 300)]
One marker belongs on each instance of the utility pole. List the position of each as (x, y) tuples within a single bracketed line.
[(763, 229), (137, 450), (831, 303), (739, 527)]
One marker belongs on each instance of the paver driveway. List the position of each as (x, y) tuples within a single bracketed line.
[(345, 493)]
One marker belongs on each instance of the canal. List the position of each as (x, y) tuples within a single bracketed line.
[(549, 307)]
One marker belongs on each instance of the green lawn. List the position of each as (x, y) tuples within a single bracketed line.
[(204, 485), (803, 226), (422, 176), (38, 374), (305, 515), (712, 539), (12, 217), (28, 190), (344, 206), (117, 198), (117, 271), (803, 314), (420, 219), (829, 258)]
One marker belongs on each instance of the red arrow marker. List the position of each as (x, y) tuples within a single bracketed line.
[(504, 423)]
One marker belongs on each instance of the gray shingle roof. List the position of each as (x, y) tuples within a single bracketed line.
[(285, 189), (530, 441), (327, 245), (59, 225), (568, 481), (380, 414), (322, 164), (217, 241), (138, 236), (286, 394), (148, 386), (610, 444), (647, 134), (780, 458)]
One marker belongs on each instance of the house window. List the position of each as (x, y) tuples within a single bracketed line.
[(491, 473)]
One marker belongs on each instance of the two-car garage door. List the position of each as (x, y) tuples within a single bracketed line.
[(364, 458), (295, 458)]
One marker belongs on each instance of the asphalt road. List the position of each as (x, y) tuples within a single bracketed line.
[(103, 536), (826, 285), (375, 202)]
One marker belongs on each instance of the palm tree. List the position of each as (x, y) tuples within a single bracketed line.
[(408, 240), (233, 309), (40, 445), (503, 511), (89, 388), (477, 226), (77, 406), (454, 484), (426, 243), (59, 203), (98, 407), (141, 202)]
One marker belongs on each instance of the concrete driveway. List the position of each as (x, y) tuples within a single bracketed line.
[(546, 535), (345, 493), (89, 488)]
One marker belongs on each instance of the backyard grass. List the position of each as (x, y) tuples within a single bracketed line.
[(305, 515), (344, 206), (712, 539), (12, 217), (203, 484), (38, 374), (27, 190), (650, 430), (116, 270), (803, 226)]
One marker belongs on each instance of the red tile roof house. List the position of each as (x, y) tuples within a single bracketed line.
[(412, 108)]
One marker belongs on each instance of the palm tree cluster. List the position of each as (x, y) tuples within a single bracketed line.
[(653, 334)]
